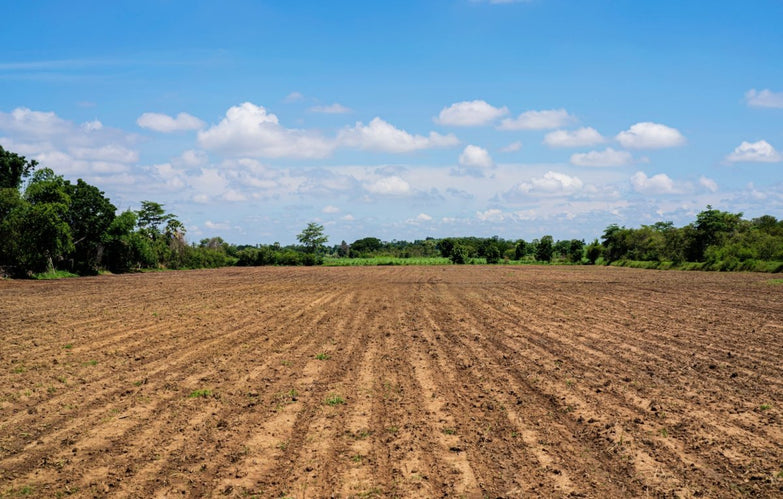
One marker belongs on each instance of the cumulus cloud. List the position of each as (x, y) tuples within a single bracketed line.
[(331, 109), (475, 157), (389, 186), (490, 215), (330, 209), (166, 124), (69, 148), (538, 120), (657, 184), (754, 152), (708, 184), (470, 113), (381, 136), (764, 98), (583, 137), (647, 135), (34, 123), (249, 130), (551, 184), (607, 157), (512, 147)]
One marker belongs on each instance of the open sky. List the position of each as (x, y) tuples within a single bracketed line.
[(403, 119)]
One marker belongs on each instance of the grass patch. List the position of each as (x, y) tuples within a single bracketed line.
[(323, 356), (383, 260), (775, 281), (203, 393), (56, 274), (333, 400), (765, 407), (90, 363)]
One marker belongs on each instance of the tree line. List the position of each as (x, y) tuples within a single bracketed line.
[(49, 224)]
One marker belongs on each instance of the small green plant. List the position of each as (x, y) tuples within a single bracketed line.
[(282, 445), (765, 407), (333, 400), (664, 432), (19, 369), (68, 346), (203, 393), (286, 363), (449, 431), (357, 458), (90, 363), (323, 356), (392, 429)]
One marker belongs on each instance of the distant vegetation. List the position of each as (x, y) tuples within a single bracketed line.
[(50, 227)]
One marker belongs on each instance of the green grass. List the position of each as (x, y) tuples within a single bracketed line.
[(90, 363), (203, 393), (323, 356), (56, 274), (765, 407), (383, 260), (775, 281), (334, 400)]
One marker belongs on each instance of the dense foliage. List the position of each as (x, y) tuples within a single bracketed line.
[(49, 224)]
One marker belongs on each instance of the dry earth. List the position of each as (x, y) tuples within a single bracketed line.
[(393, 382)]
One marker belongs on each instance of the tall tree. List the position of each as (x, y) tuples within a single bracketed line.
[(13, 168), (312, 237)]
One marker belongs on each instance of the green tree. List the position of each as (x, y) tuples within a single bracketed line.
[(544, 249), (313, 237), (460, 254), (593, 251), (90, 214), (492, 253), (14, 168)]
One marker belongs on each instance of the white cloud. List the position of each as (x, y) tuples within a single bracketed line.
[(470, 113), (111, 152), (755, 152), (379, 135), (293, 97), (34, 123), (88, 149), (92, 126), (647, 135), (607, 157), (538, 120), (583, 137), (389, 186), (248, 130), (475, 157), (348, 218), (209, 224), (330, 209), (552, 183), (192, 158), (657, 184), (166, 124), (423, 217), (708, 184), (331, 109), (764, 98), (512, 147), (491, 215)]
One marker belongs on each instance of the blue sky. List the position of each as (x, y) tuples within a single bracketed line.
[(404, 119)]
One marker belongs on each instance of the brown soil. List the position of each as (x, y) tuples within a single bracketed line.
[(434, 381)]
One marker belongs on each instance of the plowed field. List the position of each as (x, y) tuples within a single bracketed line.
[(395, 381)]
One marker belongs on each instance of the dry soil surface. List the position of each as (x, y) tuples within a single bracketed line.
[(470, 381)]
